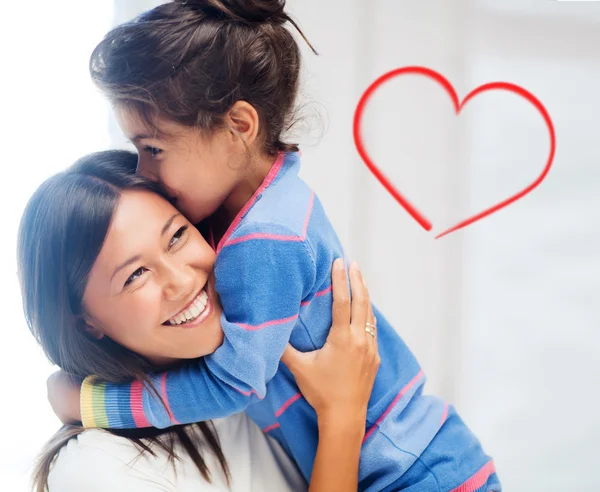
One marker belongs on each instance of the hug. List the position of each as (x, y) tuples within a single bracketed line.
[(195, 294)]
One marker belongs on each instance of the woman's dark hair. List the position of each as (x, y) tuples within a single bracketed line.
[(190, 61), (62, 231)]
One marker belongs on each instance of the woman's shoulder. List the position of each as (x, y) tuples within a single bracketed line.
[(97, 460)]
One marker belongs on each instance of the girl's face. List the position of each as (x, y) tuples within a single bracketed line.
[(151, 288), (200, 173)]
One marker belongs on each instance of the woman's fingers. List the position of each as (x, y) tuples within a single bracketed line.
[(374, 345), (291, 358), (341, 296), (360, 298), (369, 330), (352, 310), (371, 323), (338, 378)]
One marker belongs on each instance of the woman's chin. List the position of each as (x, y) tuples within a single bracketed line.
[(209, 345), (163, 363), (206, 344)]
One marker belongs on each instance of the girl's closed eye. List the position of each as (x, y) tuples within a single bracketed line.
[(153, 151)]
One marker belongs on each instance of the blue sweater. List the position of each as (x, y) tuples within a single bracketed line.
[(273, 275)]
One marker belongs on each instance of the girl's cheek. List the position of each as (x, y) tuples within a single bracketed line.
[(167, 182)]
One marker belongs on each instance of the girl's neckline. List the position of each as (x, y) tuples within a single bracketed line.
[(273, 172)]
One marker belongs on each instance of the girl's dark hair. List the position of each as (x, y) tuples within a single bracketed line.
[(62, 231), (190, 61)]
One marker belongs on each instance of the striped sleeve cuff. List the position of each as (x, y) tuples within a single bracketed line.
[(112, 406)]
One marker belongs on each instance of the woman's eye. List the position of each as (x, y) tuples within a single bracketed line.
[(138, 273), (177, 236), (153, 151)]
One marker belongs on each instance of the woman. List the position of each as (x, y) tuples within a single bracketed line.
[(83, 254)]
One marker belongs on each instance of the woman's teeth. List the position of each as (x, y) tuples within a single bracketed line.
[(192, 312)]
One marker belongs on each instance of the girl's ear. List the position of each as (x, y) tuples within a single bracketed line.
[(91, 328), (244, 121)]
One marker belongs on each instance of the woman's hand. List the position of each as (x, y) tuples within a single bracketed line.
[(337, 381)]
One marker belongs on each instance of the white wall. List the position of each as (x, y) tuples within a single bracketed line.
[(51, 115), (531, 281)]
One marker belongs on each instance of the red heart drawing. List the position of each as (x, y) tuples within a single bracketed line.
[(458, 106)]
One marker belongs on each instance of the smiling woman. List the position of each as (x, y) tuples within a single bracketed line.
[(79, 242), (108, 294)]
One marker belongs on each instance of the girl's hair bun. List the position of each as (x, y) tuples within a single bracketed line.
[(241, 10)]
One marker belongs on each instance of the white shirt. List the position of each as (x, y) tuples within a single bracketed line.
[(97, 461)]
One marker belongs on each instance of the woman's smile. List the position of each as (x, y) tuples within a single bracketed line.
[(195, 312)]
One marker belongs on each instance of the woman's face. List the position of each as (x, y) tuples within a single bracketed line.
[(199, 173), (151, 288)]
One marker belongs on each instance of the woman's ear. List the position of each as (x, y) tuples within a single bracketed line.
[(91, 328), (244, 121)]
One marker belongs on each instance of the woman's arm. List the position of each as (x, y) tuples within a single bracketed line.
[(337, 381)]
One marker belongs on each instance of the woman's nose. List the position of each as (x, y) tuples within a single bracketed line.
[(179, 283)]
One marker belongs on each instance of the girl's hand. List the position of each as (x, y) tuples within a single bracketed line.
[(63, 394), (337, 380)]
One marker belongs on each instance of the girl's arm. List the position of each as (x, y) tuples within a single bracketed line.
[(337, 381)]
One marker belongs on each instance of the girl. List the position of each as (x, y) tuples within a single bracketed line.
[(89, 316), (205, 90)]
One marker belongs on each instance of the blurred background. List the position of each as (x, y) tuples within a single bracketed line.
[(502, 315)]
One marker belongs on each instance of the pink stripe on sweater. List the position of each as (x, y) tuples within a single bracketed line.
[(267, 324), (274, 237), (403, 391), (478, 480), (247, 393), (445, 414), (308, 213), (271, 427), (263, 235), (285, 406), (137, 405), (163, 389), (271, 175), (318, 294), (324, 291)]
